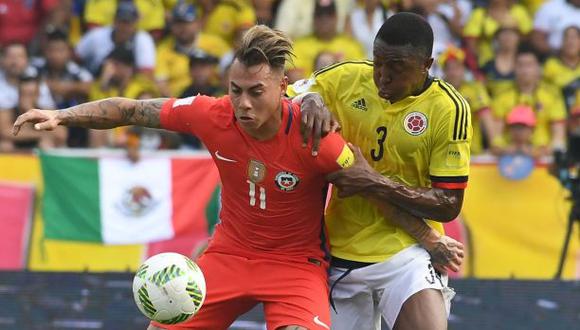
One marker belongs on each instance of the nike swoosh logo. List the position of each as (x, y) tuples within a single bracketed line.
[(320, 323), (217, 155)]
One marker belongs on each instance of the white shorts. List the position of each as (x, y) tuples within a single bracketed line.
[(367, 293)]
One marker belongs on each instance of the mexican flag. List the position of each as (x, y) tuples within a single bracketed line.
[(106, 198)]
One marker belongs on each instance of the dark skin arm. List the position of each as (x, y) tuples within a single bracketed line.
[(316, 120), (441, 205), (102, 114), (446, 253)]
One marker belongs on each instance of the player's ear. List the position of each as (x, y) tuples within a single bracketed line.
[(428, 64), (283, 86)]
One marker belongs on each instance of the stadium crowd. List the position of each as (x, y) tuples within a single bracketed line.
[(517, 63)]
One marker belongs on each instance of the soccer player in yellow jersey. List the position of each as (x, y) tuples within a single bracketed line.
[(414, 133)]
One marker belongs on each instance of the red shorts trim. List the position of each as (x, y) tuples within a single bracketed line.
[(291, 293)]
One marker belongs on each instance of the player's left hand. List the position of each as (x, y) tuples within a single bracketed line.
[(316, 121), (354, 179), (446, 253)]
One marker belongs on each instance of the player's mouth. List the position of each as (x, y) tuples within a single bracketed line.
[(384, 93), (245, 118)]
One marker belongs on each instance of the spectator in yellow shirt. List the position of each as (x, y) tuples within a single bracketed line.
[(484, 22), (564, 70), (499, 71), (227, 19), (172, 70), (325, 38), (152, 14), (529, 90), (118, 78), (474, 92)]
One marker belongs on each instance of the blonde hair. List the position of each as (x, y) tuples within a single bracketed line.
[(261, 44)]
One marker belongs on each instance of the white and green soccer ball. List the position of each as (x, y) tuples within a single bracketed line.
[(169, 288)]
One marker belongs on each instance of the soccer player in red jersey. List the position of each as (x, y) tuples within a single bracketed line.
[(270, 245)]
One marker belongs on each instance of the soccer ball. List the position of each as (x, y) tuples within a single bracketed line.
[(169, 288)]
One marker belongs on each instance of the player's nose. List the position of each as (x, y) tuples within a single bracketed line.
[(244, 103)]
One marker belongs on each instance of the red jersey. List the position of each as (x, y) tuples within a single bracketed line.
[(19, 20), (273, 191)]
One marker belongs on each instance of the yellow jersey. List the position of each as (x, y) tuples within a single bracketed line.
[(229, 17), (548, 105), (478, 99), (420, 141), (151, 13), (138, 85), (559, 74), (173, 66), (496, 81)]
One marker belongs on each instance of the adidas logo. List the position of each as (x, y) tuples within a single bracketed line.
[(360, 104)]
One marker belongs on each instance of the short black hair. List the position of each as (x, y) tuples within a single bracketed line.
[(407, 28), (122, 54), (527, 48), (56, 34)]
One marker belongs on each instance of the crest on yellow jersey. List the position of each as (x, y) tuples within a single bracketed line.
[(415, 123)]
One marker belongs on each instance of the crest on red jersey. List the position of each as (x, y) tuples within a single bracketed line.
[(415, 123), (286, 181), (256, 171)]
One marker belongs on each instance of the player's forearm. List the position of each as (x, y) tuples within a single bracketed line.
[(429, 203), (414, 226), (113, 112)]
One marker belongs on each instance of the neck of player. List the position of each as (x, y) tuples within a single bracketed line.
[(422, 86)]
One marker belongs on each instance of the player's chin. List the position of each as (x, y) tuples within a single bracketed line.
[(248, 122)]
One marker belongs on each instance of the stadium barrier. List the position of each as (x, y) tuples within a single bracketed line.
[(512, 229), (38, 300)]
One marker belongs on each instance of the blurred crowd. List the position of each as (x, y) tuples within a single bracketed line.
[(516, 62)]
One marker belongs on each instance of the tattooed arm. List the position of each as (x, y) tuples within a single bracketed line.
[(102, 114), (442, 205), (446, 253)]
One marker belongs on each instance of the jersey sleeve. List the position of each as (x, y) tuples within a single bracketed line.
[(450, 152), (325, 85), (334, 154), (188, 115)]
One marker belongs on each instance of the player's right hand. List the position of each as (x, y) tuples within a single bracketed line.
[(316, 120), (43, 120), (446, 254)]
